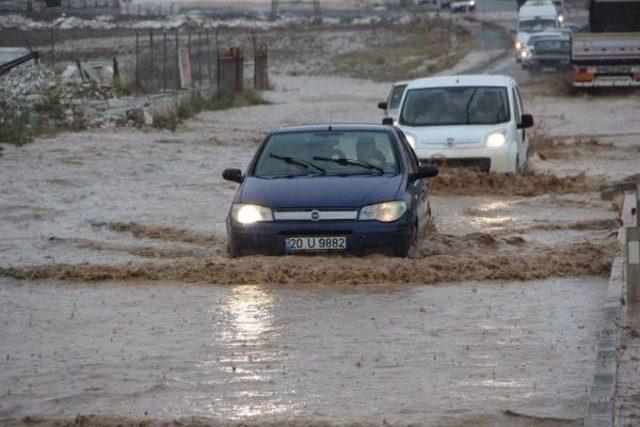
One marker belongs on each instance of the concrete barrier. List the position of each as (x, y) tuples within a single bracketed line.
[(622, 289)]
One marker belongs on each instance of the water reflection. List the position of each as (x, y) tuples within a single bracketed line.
[(251, 359)]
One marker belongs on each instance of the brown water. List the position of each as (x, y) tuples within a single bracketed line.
[(405, 354)]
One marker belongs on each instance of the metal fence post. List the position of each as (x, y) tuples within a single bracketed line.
[(151, 70), (137, 63), (177, 59), (53, 50), (209, 58), (189, 52), (164, 61)]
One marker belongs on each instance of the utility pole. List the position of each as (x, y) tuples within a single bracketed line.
[(274, 10)]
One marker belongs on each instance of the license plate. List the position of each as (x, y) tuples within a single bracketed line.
[(324, 243)]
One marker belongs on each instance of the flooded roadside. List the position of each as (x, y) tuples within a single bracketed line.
[(328, 353)]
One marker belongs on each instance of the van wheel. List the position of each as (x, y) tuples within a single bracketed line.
[(232, 251)]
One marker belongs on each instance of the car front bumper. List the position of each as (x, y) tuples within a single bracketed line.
[(499, 160), (362, 236)]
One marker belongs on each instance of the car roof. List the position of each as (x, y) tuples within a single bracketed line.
[(462, 80), (332, 126), (534, 9)]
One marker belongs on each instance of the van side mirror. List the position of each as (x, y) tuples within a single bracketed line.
[(526, 121), (426, 171), (383, 105), (513, 31), (234, 175), (388, 121)]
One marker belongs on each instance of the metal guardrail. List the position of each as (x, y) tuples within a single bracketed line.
[(7, 66)]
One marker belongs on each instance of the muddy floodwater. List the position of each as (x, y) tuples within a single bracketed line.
[(447, 353)]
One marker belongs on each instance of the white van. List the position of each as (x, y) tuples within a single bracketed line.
[(472, 120), (535, 16)]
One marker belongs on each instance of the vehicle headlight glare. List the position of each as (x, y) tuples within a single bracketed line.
[(411, 140), (385, 212), (472, 3), (496, 139), (561, 18), (250, 214), (524, 54), (518, 45)]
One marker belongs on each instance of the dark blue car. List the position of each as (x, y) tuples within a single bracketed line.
[(356, 188)]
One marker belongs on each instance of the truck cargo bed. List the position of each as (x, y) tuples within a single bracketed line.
[(605, 48)]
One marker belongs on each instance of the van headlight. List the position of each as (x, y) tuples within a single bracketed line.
[(497, 139), (561, 18), (518, 45), (249, 214), (385, 212), (411, 140)]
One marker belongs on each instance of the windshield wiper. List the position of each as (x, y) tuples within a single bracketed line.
[(343, 161), (466, 110), (301, 164)]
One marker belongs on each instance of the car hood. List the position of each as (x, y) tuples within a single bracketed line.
[(449, 136), (319, 191)]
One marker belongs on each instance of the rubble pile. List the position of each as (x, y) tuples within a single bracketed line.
[(40, 99)]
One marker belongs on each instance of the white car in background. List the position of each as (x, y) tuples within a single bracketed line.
[(467, 120), (535, 16), (391, 106), (463, 6)]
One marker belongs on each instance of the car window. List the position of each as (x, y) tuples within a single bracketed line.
[(326, 153), (409, 154), (455, 106), (516, 107), (396, 96), (536, 25), (520, 104)]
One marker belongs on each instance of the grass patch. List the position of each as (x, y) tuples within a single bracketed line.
[(424, 47), (16, 128)]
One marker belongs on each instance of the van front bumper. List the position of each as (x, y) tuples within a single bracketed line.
[(499, 160)]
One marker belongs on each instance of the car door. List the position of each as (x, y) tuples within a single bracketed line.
[(523, 132), (418, 189), (521, 136)]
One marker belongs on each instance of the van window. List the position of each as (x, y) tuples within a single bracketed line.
[(396, 96), (536, 25), (443, 106)]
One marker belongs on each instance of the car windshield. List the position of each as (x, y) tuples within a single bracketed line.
[(536, 25), (322, 153), (552, 46), (396, 96), (455, 106)]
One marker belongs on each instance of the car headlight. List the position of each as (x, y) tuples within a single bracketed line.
[(249, 214), (524, 54), (385, 212), (561, 19), (411, 140), (518, 45), (472, 3), (497, 139)]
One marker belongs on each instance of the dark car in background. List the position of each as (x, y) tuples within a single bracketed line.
[(330, 188), (547, 51)]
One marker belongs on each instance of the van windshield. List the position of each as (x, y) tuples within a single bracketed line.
[(455, 106), (536, 25)]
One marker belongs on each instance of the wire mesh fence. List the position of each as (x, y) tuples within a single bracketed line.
[(169, 61)]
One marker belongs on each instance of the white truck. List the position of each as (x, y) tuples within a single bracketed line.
[(609, 54)]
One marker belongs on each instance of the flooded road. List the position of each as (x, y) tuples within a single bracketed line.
[(450, 353)]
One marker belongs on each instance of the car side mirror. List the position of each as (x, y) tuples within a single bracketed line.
[(526, 121), (426, 171), (388, 121), (234, 175), (383, 105)]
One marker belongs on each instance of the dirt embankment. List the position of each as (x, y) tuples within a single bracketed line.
[(159, 233), (472, 182)]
